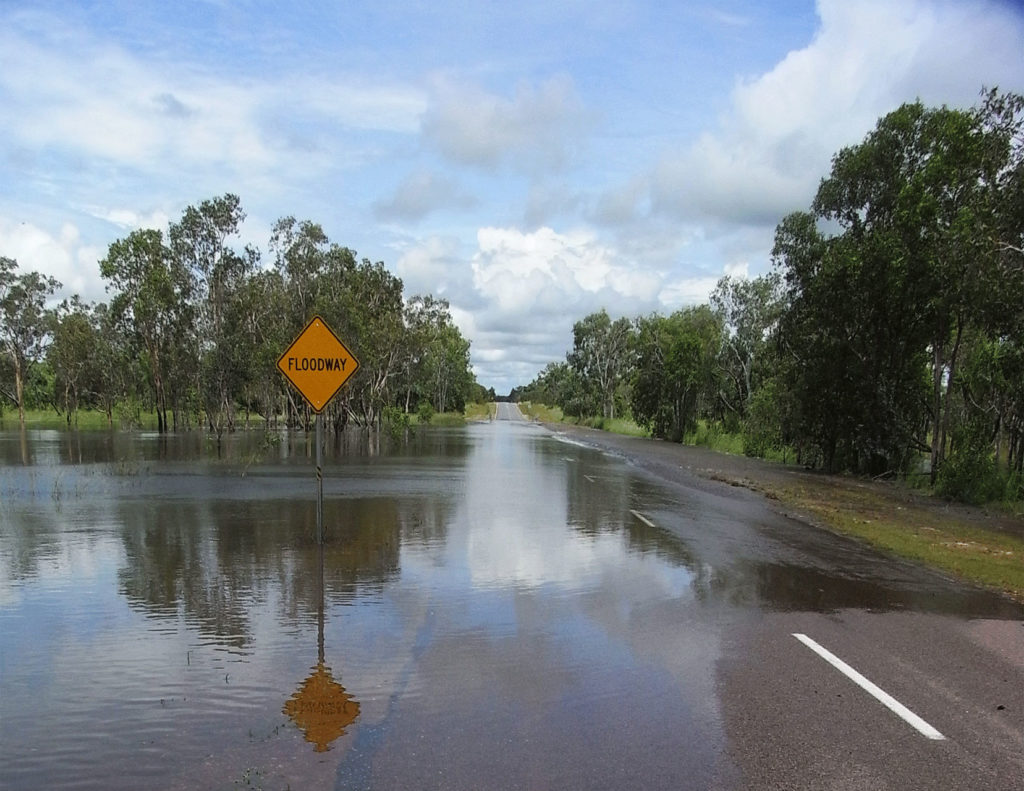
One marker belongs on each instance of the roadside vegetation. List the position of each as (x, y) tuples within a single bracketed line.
[(887, 341), (971, 546), (196, 323)]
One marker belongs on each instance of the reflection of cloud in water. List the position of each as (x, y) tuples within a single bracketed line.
[(513, 527)]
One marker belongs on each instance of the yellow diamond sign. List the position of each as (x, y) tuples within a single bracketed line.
[(318, 364)]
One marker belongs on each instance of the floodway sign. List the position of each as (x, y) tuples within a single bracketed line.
[(318, 364)]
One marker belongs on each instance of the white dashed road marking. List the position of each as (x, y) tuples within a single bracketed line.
[(642, 518), (879, 694)]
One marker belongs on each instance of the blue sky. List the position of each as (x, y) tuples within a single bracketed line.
[(531, 162)]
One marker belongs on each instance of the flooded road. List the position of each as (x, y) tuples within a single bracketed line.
[(494, 607)]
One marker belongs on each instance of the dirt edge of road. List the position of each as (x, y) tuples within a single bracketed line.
[(976, 545)]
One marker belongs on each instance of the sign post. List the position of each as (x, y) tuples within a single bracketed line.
[(318, 364)]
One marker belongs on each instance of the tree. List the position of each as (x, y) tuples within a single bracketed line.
[(601, 356), (217, 274), (25, 323), (919, 202), (749, 311), (151, 301), (675, 370), (436, 363), (73, 353), (915, 266)]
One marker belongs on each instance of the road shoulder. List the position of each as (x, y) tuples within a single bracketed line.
[(975, 545)]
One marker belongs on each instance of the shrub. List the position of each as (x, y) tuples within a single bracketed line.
[(969, 475), (425, 412)]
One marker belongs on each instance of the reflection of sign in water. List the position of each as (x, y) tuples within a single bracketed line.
[(322, 708)]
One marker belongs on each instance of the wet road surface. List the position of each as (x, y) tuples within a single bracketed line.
[(494, 607)]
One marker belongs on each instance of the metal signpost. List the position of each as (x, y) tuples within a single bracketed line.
[(318, 364)]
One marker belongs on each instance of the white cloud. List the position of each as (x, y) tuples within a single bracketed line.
[(73, 96), (532, 287), (130, 219), (776, 141), (546, 273), (687, 291), (536, 129), (434, 266), (62, 255)]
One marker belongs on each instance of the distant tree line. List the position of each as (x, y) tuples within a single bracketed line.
[(195, 324), (888, 338)]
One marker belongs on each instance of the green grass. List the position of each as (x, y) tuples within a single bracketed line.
[(941, 540), (480, 411), (541, 412), (547, 414), (92, 420), (87, 420), (448, 419), (442, 419), (713, 437)]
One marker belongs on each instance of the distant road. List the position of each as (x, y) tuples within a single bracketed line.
[(508, 411)]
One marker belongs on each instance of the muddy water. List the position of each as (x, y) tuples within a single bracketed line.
[(490, 609)]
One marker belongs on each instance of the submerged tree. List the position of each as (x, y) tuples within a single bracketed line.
[(25, 323)]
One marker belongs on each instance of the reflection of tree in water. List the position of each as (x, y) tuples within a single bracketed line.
[(172, 562), (603, 504), (212, 562), (30, 542)]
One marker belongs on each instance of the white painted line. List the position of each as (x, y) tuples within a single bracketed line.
[(879, 694), (642, 518)]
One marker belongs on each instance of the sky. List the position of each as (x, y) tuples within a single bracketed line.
[(531, 162)]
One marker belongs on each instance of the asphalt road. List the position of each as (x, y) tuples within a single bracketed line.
[(944, 662), (508, 411)]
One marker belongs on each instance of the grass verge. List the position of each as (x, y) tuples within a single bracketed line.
[(480, 411), (547, 414), (442, 419), (982, 555)]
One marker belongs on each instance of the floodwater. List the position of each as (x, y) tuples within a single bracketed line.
[(493, 607)]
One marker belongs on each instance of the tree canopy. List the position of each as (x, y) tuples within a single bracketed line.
[(195, 324), (887, 339)]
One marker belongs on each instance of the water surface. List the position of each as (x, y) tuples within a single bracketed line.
[(490, 609)]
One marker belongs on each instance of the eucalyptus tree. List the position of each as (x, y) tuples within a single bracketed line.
[(25, 323), (749, 310), (218, 274), (300, 254), (259, 314), (916, 264), (371, 318), (676, 369), (885, 194), (424, 318), (151, 302), (435, 365), (602, 356), (73, 353)]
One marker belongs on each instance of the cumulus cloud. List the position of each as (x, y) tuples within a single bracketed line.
[(62, 255), (546, 272), (534, 285), (435, 266), (776, 141), (535, 129)]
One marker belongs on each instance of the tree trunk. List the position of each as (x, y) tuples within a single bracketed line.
[(19, 388), (936, 408), (949, 392)]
